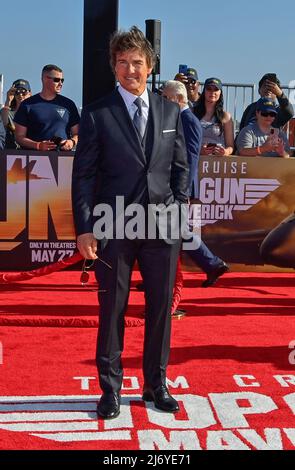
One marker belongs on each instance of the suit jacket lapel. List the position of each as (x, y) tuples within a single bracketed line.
[(156, 110), (122, 116)]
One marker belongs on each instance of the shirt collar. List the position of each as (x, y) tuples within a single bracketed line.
[(184, 108), (129, 98)]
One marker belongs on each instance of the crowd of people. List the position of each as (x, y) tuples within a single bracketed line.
[(45, 121), (50, 121), (261, 128)]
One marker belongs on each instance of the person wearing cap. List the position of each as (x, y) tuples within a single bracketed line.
[(191, 82), (19, 91), (261, 138), (269, 87), (217, 124), (48, 120)]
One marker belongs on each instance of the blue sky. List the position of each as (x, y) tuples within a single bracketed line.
[(235, 40)]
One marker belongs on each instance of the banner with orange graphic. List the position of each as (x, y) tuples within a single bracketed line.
[(241, 200), (36, 224)]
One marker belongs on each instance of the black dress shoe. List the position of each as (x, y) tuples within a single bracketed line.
[(109, 405), (215, 274), (161, 398)]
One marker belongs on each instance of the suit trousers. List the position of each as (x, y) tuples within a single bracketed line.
[(157, 262)]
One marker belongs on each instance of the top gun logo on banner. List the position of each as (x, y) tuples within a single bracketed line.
[(231, 194), (241, 200)]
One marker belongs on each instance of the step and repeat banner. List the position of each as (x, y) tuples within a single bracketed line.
[(241, 200)]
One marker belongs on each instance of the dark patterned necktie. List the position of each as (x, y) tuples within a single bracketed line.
[(138, 119)]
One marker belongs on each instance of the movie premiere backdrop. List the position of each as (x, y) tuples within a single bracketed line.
[(241, 200)]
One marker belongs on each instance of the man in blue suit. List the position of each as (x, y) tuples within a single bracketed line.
[(131, 144), (175, 91)]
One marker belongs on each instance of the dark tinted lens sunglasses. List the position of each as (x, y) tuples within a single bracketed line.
[(56, 80), (273, 115), (21, 92)]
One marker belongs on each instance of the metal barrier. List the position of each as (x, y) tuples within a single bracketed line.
[(237, 96)]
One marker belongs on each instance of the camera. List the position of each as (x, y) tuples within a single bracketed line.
[(56, 140), (182, 69)]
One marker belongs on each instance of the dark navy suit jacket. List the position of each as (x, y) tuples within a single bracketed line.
[(110, 161), (193, 138)]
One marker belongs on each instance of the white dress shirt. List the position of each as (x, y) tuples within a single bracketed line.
[(129, 99)]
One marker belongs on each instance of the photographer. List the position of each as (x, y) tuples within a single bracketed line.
[(48, 120), (190, 80), (269, 87), (19, 92)]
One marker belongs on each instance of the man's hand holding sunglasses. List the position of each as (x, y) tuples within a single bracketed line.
[(87, 245)]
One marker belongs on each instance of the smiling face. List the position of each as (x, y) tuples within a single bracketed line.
[(132, 71)]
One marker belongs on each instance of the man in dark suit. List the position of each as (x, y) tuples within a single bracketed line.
[(211, 264), (131, 145)]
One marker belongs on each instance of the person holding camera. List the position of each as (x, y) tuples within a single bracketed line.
[(48, 120), (217, 124), (261, 138), (189, 77), (269, 87), (19, 91)]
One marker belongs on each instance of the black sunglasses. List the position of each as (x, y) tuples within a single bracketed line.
[(56, 80), (265, 114), (21, 91)]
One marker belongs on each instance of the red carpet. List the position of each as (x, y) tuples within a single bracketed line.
[(242, 327)]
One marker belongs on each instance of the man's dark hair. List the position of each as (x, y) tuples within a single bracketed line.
[(50, 67), (123, 41), (268, 76)]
